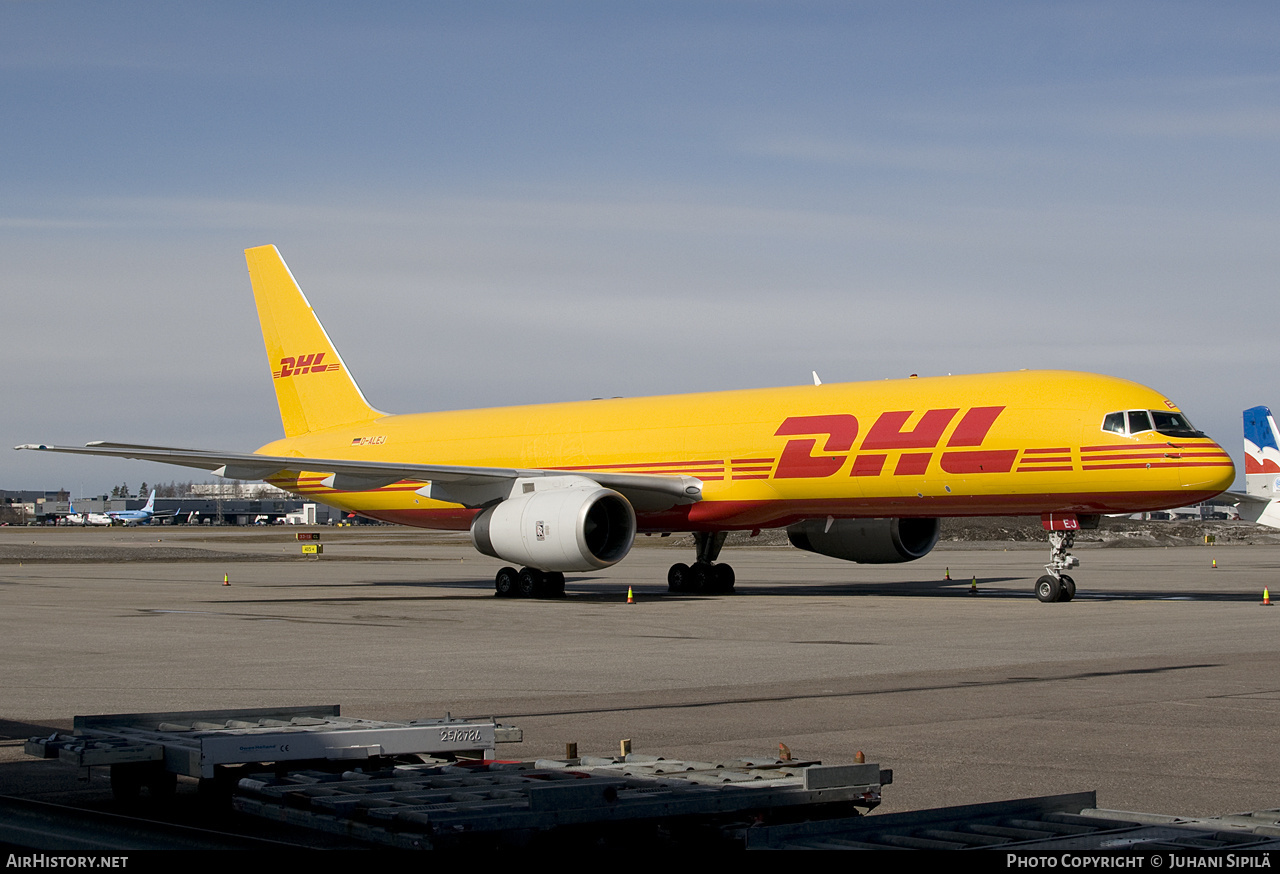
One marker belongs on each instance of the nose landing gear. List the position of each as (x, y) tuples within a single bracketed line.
[(1055, 585)]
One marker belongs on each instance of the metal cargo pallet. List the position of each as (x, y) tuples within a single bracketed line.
[(438, 806), (197, 743), (1051, 823)]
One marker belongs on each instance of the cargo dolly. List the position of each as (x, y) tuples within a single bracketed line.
[(151, 749), (596, 801)]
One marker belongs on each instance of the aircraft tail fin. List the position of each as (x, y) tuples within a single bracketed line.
[(314, 389), (1261, 453), (151, 503)]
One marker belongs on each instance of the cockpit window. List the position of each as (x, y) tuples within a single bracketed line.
[(1174, 424), (1139, 421)]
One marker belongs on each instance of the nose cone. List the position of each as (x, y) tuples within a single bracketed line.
[(1207, 470)]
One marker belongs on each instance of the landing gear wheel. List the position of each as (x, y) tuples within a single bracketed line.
[(1048, 588), (504, 582), (530, 583), (553, 586), (700, 577), (1068, 588), (723, 577), (678, 578)]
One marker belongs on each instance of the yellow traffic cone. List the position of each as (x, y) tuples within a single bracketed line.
[(947, 575), (631, 599), (1215, 564), (1266, 597), (225, 580), (973, 586)]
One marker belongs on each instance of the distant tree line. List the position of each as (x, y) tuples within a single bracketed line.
[(174, 489)]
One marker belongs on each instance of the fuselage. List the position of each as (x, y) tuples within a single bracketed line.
[(1021, 443)]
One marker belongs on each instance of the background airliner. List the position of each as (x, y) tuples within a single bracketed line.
[(74, 518), (1260, 502), (856, 471), (138, 517), (116, 517)]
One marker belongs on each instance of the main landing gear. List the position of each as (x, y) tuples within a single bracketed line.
[(1055, 585), (528, 583), (705, 575)]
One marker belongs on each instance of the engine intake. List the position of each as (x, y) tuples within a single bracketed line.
[(559, 524), (868, 541)]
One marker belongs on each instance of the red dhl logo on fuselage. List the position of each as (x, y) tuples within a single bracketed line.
[(889, 433), (302, 364)]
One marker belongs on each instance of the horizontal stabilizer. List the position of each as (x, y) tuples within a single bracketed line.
[(1261, 511)]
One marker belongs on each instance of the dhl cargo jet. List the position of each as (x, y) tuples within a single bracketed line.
[(859, 471)]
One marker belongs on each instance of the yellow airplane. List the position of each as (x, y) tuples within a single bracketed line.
[(859, 471)]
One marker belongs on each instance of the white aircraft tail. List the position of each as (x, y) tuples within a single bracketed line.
[(1261, 500), (1261, 453), (151, 503)]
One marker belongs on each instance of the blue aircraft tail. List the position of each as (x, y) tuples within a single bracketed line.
[(1261, 453)]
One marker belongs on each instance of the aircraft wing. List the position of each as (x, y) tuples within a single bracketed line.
[(469, 486)]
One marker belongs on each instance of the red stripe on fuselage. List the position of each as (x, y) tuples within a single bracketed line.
[(637, 464), (735, 515)]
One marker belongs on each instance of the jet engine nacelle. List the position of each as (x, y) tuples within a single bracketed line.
[(557, 524), (869, 541)]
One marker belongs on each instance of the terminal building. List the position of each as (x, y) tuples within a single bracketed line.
[(280, 508)]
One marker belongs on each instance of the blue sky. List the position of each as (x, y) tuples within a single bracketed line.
[(496, 203)]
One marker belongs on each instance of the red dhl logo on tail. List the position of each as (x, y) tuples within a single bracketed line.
[(888, 433), (303, 364)]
